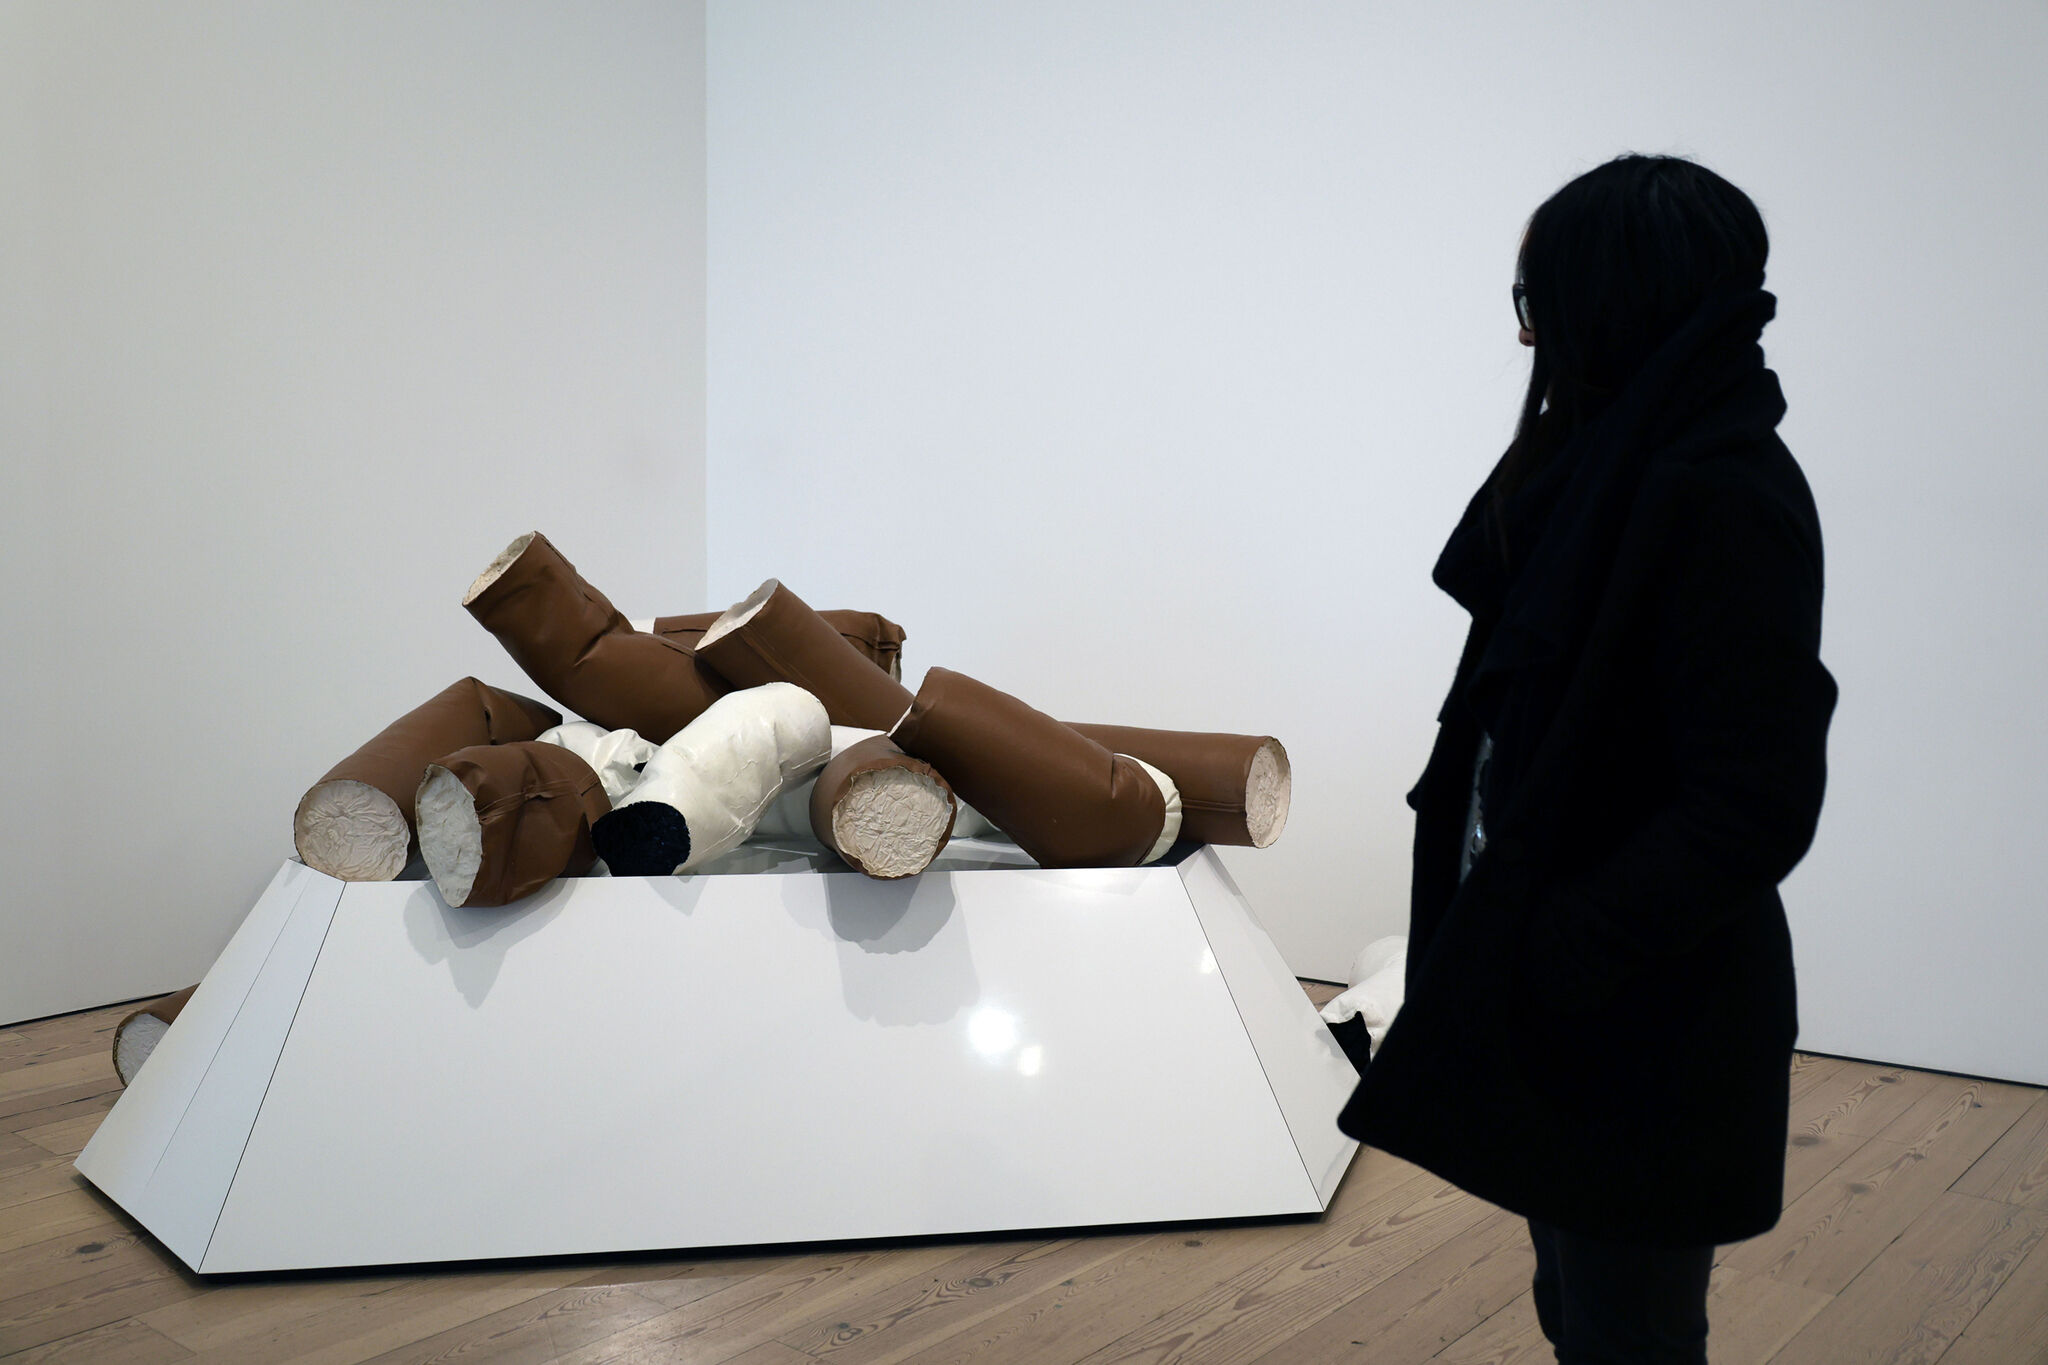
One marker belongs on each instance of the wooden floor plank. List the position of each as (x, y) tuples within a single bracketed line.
[(1843, 1108), (17, 1151), (2015, 1169), (55, 1047), (2012, 1327), (1810, 1157), (85, 1029), (1820, 1136), (36, 1180), (61, 1287), (899, 1320), (1513, 1336), (73, 1103), (1921, 1291), (1122, 1294), (1962, 1108), (78, 1305), (54, 1260), (361, 1327), (126, 1342), (534, 1332), (236, 1310), (1109, 1298), (73, 1213), (65, 1137), (1832, 1231), (1751, 1317), (255, 1319), (770, 1353), (1252, 1312), (719, 1326), (1421, 1310), (62, 1073), (1862, 1097), (1810, 1067), (1829, 1234), (683, 1279)]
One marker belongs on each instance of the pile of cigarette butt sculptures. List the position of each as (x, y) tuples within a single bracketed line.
[(768, 721)]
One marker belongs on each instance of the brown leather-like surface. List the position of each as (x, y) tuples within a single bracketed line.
[(535, 804), (459, 715), (579, 649), (787, 641), (836, 780), (1065, 799), (167, 1009), (870, 632), (1213, 772)]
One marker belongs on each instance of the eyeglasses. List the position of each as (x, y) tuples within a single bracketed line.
[(1520, 293)]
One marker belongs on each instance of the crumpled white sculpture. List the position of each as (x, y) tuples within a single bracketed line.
[(614, 755), (705, 789), (1378, 980)]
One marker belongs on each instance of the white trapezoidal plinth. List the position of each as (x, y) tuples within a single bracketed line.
[(369, 1077)]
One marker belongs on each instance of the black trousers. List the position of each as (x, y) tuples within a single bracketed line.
[(1612, 1303)]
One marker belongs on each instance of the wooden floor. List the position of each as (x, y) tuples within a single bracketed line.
[(1914, 1231)]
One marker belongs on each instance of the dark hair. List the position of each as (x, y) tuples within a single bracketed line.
[(1613, 263)]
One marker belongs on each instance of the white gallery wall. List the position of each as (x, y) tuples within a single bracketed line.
[(1138, 358), (306, 310)]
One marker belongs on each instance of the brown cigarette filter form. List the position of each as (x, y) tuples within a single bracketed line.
[(872, 633), (1234, 789), (500, 821), (581, 651), (773, 636), (136, 1036), (886, 813), (1065, 799), (358, 823)]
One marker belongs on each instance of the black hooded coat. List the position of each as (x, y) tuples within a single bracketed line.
[(1599, 1019)]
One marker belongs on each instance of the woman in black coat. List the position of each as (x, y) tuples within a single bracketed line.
[(1600, 1015)]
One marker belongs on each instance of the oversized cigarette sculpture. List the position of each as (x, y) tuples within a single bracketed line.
[(872, 633), (789, 815), (357, 822), (616, 756), (1065, 799), (1234, 789), (707, 787), (136, 1036), (895, 811), (500, 821), (579, 650), (773, 636), (886, 813)]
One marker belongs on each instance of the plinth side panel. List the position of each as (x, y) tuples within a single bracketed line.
[(634, 1063), (1310, 1076), (167, 1151), (129, 1142)]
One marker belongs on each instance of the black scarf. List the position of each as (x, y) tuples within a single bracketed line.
[(1705, 384)]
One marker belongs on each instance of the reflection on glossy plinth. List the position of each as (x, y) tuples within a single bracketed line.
[(634, 1063)]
